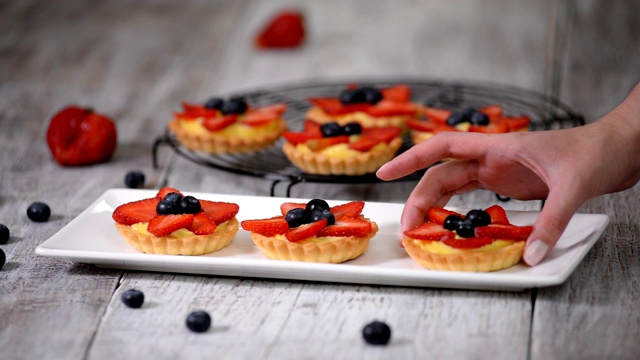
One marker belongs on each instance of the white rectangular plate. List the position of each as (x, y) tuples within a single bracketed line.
[(92, 238)]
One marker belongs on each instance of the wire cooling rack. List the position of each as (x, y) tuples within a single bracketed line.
[(271, 164)]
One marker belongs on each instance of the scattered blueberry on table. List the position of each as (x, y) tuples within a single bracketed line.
[(38, 212), (376, 333), (133, 298), (199, 321), (4, 234), (134, 180), (3, 258)]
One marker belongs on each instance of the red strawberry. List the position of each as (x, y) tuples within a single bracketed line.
[(438, 214), (506, 232), (498, 215), (79, 136), (321, 144), (264, 115), (429, 231), (468, 243), (167, 190), (333, 106), (203, 224), (306, 230), (392, 108), (350, 209), (285, 30), (296, 138), (135, 212), (163, 225), (513, 122), (219, 211), (312, 128), (492, 128), (285, 207), (429, 126), (219, 123), (436, 115), (347, 227), (492, 110), (363, 144), (383, 134), (267, 227), (398, 93)]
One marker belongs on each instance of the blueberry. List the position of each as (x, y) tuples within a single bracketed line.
[(352, 128), (296, 217), (173, 197), (451, 222), (133, 298), (376, 333), (4, 234), (234, 106), (478, 118), (331, 129), (323, 214), (317, 204), (457, 118), (167, 208), (479, 218), (371, 95), (465, 229), (134, 179), (348, 97), (198, 321), (38, 212), (3, 259), (190, 205), (214, 103)]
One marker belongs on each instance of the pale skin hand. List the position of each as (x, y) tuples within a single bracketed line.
[(565, 167)]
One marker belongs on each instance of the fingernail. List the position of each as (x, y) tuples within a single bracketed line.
[(534, 253), (380, 169)]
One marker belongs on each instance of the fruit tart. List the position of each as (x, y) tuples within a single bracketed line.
[(332, 149), (479, 241), (489, 119), (174, 224), (228, 126), (368, 105), (313, 232)]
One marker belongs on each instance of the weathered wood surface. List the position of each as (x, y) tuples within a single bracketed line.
[(138, 61)]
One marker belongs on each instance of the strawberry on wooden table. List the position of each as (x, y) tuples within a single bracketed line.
[(285, 30)]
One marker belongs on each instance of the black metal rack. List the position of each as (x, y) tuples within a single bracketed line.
[(271, 164)]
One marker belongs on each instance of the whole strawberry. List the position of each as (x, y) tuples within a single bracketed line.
[(78, 136), (285, 30)]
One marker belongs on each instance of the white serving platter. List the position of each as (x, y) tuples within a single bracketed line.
[(92, 238)]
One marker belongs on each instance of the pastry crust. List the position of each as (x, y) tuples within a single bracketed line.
[(320, 164), (321, 117), (192, 245), (214, 144), (340, 250), (474, 261)]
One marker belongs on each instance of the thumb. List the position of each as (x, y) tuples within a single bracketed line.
[(551, 223)]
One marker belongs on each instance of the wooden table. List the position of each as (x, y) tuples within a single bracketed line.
[(136, 61)]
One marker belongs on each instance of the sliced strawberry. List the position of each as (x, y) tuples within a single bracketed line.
[(219, 211), (312, 128), (436, 115), (219, 123), (429, 231), (306, 231), (258, 118), (351, 209), (398, 93), (492, 128), (468, 243), (203, 224), (364, 143), (492, 110), (163, 225), (296, 138), (383, 134), (167, 190), (135, 212), (267, 227), (285, 207), (392, 108), (333, 106), (422, 126), (506, 232), (347, 227), (498, 215), (438, 214), (323, 143), (513, 122)]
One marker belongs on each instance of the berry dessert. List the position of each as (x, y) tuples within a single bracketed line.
[(489, 119), (480, 241), (174, 224), (228, 126), (332, 149), (368, 105), (314, 232)]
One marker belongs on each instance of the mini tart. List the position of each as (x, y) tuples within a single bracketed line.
[(328, 250), (189, 245), (465, 260)]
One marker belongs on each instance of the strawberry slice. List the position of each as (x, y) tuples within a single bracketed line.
[(438, 214), (429, 126), (513, 122), (296, 138), (492, 110), (257, 118), (436, 115), (333, 106), (347, 227), (429, 231), (492, 128), (203, 224), (163, 225), (351, 209), (392, 108), (219, 123), (364, 143), (498, 215), (219, 211), (382, 134), (323, 143), (398, 93), (285, 207), (267, 227), (167, 190), (502, 231), (312, 128), (306, 230), (468, 243), (135, 212)]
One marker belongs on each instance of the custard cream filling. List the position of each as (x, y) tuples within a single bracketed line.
[(439, 247), (141, 228), (311, 240), (363, 118), (234, 130), (340, 151)]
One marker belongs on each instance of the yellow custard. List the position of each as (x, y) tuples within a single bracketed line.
[(339, 151), (234, 130), (366, 120), (141, 228), (439, 247)]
